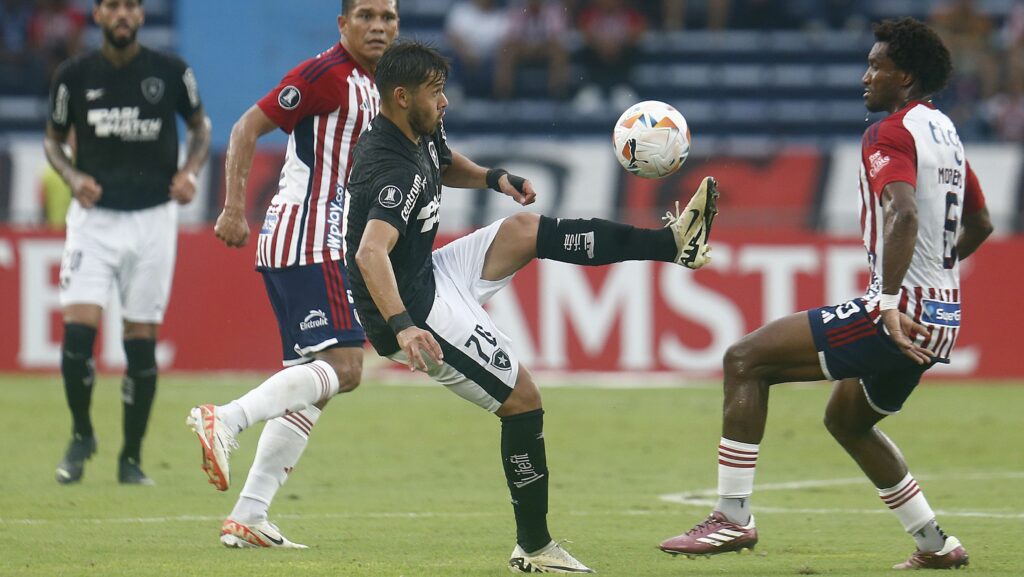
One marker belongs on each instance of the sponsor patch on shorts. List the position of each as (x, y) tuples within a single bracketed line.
[(940, 313)]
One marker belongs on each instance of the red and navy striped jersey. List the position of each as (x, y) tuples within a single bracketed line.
[(324, 104), (919, 145)]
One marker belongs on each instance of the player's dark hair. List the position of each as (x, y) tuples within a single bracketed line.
[(348, 4), (409, 64), (917, 49)]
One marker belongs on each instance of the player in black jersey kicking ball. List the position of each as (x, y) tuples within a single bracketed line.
[(423, 308), (120, 102)]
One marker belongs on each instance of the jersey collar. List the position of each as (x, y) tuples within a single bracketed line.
[(384, 124)]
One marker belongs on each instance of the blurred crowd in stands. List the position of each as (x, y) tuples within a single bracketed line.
[(586, 50), (526, 48), (35, 37)]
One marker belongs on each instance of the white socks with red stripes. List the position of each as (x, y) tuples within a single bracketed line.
[(736, 466), (908, 503), (292, 389), (281, 445)]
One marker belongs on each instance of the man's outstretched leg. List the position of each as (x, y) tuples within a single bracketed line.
[(782, 351), (597, 242), (851, 419)]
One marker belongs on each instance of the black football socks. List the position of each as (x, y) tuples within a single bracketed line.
[(77, 369), (526, 471), (595, 242), (137, 391)]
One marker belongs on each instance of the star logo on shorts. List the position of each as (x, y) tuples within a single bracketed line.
[(501, 361)]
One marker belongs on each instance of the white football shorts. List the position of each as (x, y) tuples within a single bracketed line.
[(480, 364), (133, 250)]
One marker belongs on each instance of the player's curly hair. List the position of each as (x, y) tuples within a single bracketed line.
[(917, 49)]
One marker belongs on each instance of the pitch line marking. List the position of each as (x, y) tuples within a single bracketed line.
[(692, 498), (708, 497)]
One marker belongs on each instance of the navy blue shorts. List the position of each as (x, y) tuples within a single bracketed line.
[(850, 344), (314, 309)]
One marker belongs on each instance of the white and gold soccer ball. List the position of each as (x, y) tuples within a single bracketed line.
[(651, 139)]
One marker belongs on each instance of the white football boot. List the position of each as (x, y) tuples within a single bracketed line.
[(551, 559), (692, 226), (217, 443), (262, 534)]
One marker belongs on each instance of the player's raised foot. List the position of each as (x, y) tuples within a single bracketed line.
[(71, 467), (261, 534), (712, 536), (130, 473), (951, 556), (551, 559), (692, 226), (216, 441)]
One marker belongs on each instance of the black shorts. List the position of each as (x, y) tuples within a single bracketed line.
[(852, 344)]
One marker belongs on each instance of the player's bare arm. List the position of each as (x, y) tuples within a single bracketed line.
[(83, 186), (464, 173), (231, 226), (197, 149), (378, 240), (900, 237), (976, 228)]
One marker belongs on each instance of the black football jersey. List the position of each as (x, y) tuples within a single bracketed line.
[(124, 120), (398, 182)]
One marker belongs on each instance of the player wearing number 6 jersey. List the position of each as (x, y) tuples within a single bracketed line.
[(922, 212), (424, 308)]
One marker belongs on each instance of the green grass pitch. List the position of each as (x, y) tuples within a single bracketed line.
[(406, 481)]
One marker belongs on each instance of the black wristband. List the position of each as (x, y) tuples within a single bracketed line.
[(400, 322), (493, 176)]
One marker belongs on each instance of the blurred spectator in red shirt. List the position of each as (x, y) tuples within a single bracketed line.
[(55, 33), (536, 36), (475, 30), (612, 31)]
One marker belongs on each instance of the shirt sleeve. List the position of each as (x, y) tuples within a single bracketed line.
[(189, 102), (61, 113), (974, 198), (890, 157), (444, 154), (394, 190), (295, 98)]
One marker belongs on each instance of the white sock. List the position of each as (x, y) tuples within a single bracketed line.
[(736, 466), (292, 389), (281, 445), (908, 503)]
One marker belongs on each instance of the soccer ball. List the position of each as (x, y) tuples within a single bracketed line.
[(651, 139)]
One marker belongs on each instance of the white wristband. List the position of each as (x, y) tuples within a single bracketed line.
[(888, 302)]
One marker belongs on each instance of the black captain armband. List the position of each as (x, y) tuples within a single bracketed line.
[(495, 174), (400, 322)]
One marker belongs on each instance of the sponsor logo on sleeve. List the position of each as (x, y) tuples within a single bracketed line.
[(192, 87), (390, 196), (878, 162), (289, 97), (60, 105)]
